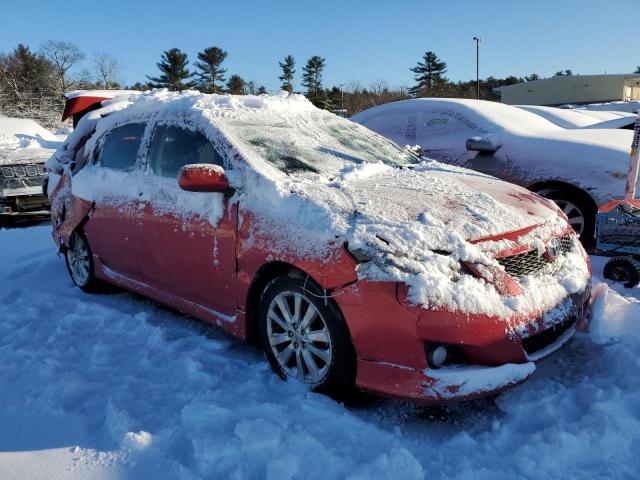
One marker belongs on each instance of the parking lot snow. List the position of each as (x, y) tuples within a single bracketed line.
[(115, 386)]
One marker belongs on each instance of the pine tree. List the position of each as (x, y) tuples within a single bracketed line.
[(429, 75), (637, 70), (173, 66), (262, 90), (288, 71), (312, 80), (236, 85), (210, 70)]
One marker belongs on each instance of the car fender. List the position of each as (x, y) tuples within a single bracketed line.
[(67, 211)]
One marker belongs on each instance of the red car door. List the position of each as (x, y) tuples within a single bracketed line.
[(187, 239), (111, 225)]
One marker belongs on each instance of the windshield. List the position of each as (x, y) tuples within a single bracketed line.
[(316, 142)]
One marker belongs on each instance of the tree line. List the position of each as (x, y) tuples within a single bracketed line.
[(32, 83)]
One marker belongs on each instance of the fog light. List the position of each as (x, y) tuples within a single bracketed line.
[(438, 356)]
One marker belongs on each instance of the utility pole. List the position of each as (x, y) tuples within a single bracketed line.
[(478, 40)]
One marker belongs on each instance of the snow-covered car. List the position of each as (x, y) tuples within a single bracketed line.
[(349, 260), (580, 169), (24, 147), (582, 118)]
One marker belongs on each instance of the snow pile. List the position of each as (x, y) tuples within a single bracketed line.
[(113, 386)]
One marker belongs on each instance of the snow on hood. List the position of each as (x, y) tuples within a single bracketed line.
[(414, 224), (24, 141), (319, 181)]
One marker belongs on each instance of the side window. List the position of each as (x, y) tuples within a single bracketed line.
[(120, 148), (172, 147), (434, 124)]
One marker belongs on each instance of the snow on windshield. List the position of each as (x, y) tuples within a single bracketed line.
[(316, 142)]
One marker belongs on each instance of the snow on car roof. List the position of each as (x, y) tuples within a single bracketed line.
[(581, 118), (99, 93), (485, 115)]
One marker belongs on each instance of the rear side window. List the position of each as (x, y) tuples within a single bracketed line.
[(120, 148), (173, 147)]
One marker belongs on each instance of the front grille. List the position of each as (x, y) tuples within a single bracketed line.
[(530, 263), (21, 171), (537, 342)]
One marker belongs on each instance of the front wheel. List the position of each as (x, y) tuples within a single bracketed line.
[(304, 337), (80, 263)]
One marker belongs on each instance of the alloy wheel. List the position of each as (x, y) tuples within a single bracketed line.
[(298, 337), (78, 259), (573, 213)]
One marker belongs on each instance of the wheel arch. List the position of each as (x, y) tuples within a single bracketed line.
[(566, 186), (265, 274)]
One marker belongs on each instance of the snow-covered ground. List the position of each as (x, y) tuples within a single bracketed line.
[(115, 386)]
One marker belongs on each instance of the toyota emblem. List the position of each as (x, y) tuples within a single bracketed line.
[(553, 249)]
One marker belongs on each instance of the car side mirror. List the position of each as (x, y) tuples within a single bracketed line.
[(200, 177), (415, 150), (482, 144)]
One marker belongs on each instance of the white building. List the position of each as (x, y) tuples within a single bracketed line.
[(573, 89)]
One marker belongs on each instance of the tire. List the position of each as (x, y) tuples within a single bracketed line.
[(623, 269), (305, 338), (578, 209), (79, 260)]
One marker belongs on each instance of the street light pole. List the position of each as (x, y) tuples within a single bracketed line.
[(478, 40)]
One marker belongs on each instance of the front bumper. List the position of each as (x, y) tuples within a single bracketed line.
[(23, 201), (390, 341)]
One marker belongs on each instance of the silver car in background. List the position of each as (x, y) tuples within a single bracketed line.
[(580, 169), (24, 147)]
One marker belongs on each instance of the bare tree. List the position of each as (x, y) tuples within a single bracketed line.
[(64, 56), (107, 70)]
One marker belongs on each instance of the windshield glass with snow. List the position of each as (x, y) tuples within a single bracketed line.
[(315, 142)]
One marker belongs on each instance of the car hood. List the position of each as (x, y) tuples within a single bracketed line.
[(434, 206)]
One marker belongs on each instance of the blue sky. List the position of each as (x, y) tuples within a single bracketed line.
[(361, 40)]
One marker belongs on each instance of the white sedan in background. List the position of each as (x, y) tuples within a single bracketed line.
[(583, 118), (579, 169)]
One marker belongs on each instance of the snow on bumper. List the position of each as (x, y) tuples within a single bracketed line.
[(447, 384)]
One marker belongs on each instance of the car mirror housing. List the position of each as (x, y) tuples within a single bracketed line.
[(203, 178), (482, 144)]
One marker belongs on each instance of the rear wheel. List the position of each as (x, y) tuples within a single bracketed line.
[(580, 213), (305, 338), (80, 262)]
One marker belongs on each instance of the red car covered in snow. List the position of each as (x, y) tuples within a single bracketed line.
[(349, 260)]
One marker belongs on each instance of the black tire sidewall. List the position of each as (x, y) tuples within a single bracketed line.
[(632, 267), (340, 378)]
